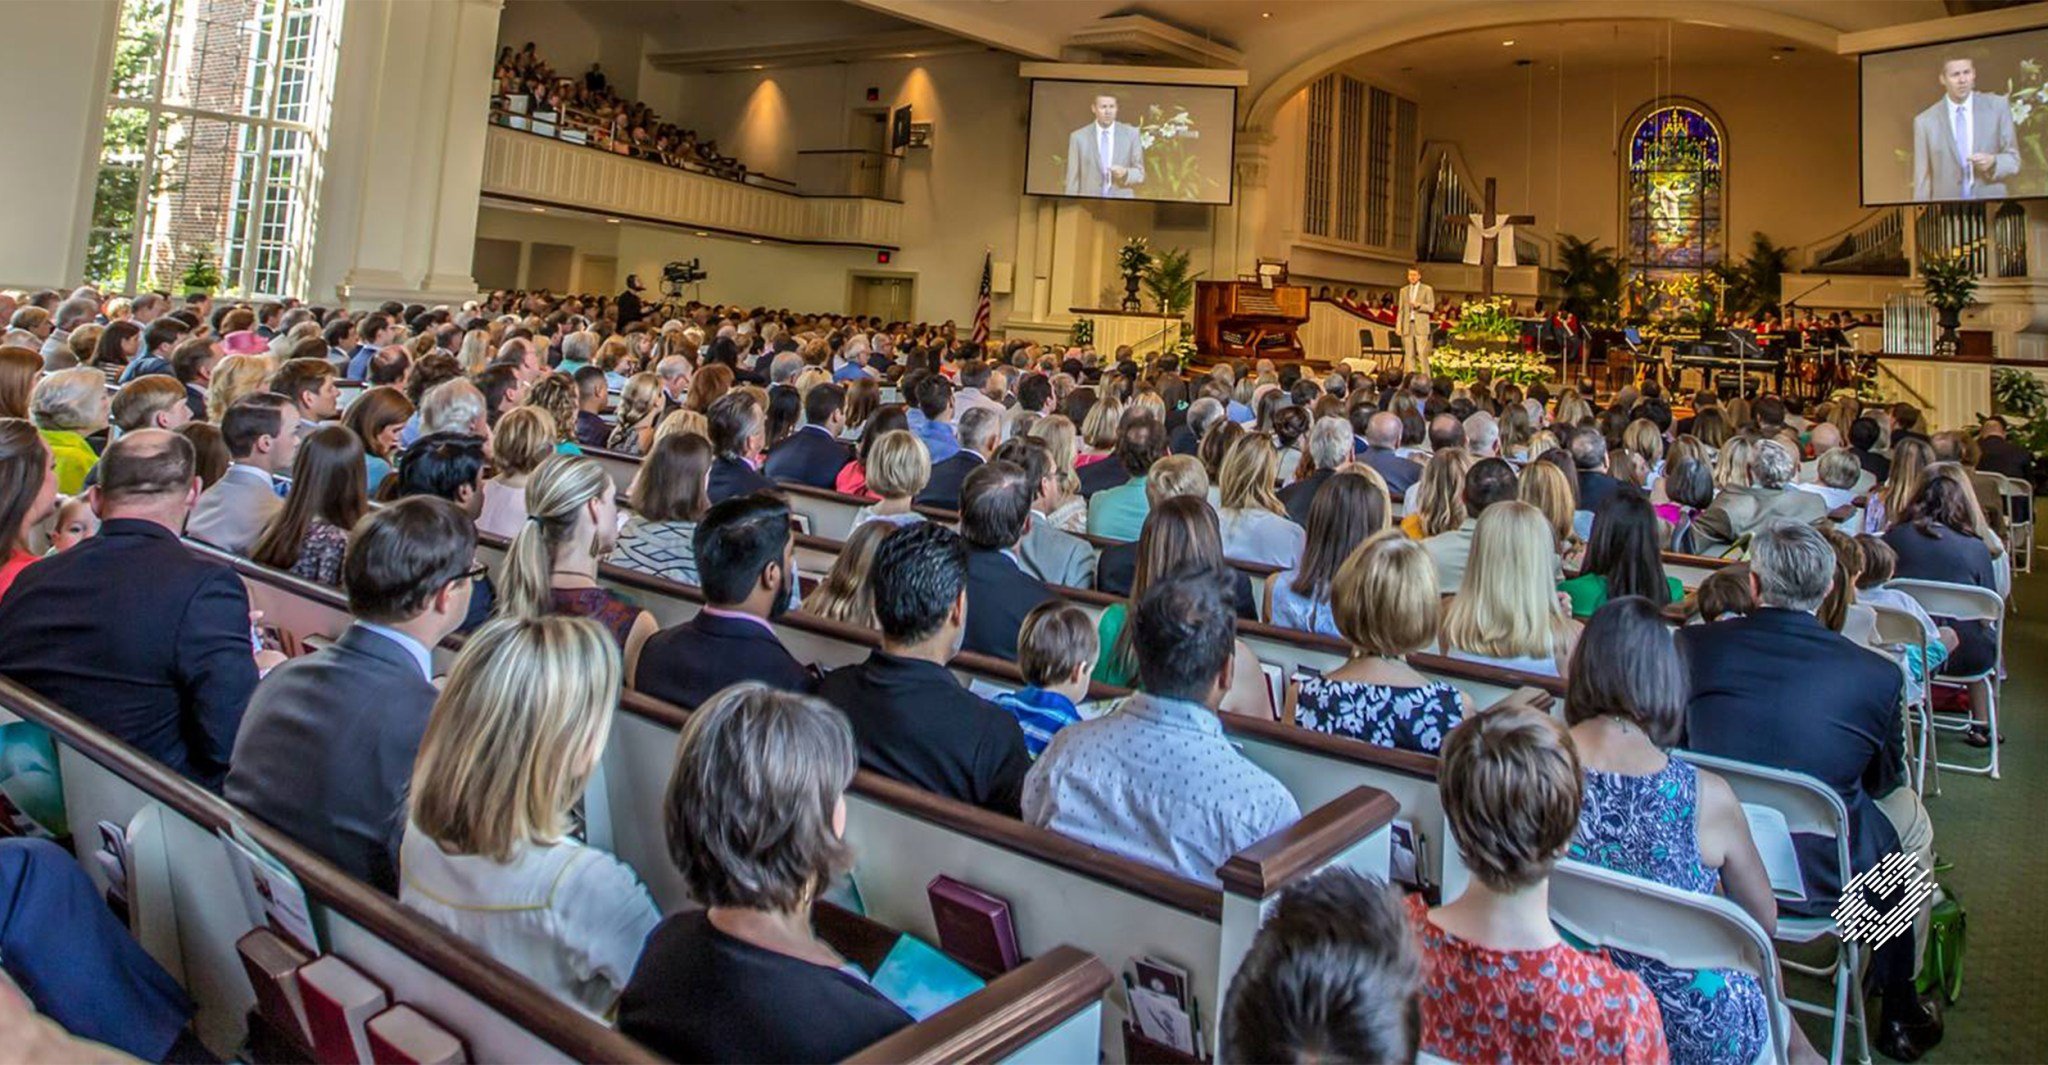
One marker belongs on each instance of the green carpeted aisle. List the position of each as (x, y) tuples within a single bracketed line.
[(1992, 831)]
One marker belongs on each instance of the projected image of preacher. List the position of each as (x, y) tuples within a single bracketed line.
[(1963, 146), (1104, 157)]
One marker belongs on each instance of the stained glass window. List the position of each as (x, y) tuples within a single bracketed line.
[(1674, 189)]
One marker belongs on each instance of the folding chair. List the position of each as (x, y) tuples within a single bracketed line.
[(1897, 628), (1810, 808), (2018, 496), (1966, 602), (1682, 929)]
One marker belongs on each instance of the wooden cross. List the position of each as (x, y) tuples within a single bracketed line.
[(1489, 248)]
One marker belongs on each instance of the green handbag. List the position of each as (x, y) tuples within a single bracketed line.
[(1942, 967)]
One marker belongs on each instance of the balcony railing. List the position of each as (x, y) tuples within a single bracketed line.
[(546, 170)]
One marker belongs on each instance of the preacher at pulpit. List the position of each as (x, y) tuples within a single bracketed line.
[(1104, 157), (1414, 308)]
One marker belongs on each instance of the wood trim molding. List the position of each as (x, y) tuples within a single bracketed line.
[(1262, 869), (1002, 1018)]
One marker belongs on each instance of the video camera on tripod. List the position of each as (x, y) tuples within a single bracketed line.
[(675, 275)]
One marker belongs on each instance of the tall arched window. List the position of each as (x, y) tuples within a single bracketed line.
[(1673, 193)]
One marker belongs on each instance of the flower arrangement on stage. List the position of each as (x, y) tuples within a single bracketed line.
[(1465, 364), (1082, 333), (1486, 341), (1133, 257), (1492, 318)]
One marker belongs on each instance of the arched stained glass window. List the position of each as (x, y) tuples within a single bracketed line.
[(1673, 193)]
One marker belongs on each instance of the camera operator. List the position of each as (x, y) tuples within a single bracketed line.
[(629, 301)]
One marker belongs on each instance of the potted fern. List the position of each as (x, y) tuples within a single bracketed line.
[(1950, 285), (201, 275)]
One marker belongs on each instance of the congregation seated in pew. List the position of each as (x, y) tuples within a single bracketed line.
[(749, 576), (755, 817)]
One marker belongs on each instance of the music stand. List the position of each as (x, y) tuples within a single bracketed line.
[(1745, 343)]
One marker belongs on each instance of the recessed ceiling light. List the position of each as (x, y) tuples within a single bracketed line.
[(756, 240), (1265, 14), (1507, 43), (540, 210), (757, 66), (703, 234), (910, 55), (613, 221), (1775, 57)]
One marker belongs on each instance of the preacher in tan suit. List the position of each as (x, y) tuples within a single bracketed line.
[(1414, 309)]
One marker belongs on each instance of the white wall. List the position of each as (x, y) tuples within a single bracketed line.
[(55, 81)]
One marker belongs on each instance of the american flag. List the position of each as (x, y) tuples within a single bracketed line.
[(981, 302)]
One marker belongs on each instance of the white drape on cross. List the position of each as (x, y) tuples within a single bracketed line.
[(1477, 233)]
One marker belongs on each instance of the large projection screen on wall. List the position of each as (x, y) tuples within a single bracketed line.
[(1121, 140), (1966, 120)]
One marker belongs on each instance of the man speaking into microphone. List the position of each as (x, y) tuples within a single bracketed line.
[(1104, 157)]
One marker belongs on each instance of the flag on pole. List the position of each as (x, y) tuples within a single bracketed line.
[(981, 302)]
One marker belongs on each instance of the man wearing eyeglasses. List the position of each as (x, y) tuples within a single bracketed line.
[(326, 747)]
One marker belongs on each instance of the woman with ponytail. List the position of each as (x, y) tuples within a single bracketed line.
[(572, 521)]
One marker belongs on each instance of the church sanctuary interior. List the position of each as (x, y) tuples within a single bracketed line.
[(1096, 531)]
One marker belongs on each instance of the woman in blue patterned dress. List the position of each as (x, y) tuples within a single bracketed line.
[(1650, 814), (1384, 599)]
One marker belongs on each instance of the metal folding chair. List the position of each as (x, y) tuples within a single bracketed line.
[(1682, 929), (1811, 808), (1966, 602), (2018, 496), (1899, 628)]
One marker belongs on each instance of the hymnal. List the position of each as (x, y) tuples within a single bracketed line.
[(974, 926)]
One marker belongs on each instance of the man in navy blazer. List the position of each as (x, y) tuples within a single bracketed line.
[(132, 631), (813, 455), (1376, 448), (326, 749), (980, 430), (1778, 688), (739, 431), (995, 505), (1589, 454), (744, 565)]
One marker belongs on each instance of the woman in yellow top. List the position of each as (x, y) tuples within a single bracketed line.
[(67, 407)]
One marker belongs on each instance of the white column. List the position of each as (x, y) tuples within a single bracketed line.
[(55, 80), (405, 153)]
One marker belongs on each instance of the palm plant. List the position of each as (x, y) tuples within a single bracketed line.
[(1589, 279), (1754, 285), (1170, 282)]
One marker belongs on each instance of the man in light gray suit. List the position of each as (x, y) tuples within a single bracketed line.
[(261, 432), (1104, 157), (1413, 322), (326, 748), (1047, 551), (1963, 146)]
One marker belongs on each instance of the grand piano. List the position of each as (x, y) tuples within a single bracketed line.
[(1249, 320)]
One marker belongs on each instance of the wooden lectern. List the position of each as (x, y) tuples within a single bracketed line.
[(1249, 320)]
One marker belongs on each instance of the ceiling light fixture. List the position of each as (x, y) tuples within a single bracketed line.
[(701, 233), (757, 66), (1509, 43), (540, 210), (613, 221), (756, 240), (1265, 14)]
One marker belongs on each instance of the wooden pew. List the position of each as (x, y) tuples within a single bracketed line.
[(1059, 890)]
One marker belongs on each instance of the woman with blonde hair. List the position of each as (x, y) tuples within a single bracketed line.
[(898, 468), (1385, 604), (1643, 440), (1070, 512), (233, 378), (682, 421), (1507, 611), (490, 851), (1098, 432), (1545, 486), (1910, 460), (556, 396), (572, 521), (639, 406), (1711, 427), (846, 594), (476, 351), (1571, 409), (1439, 496), (1732, 462), (524, 438), (1254, 522)]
